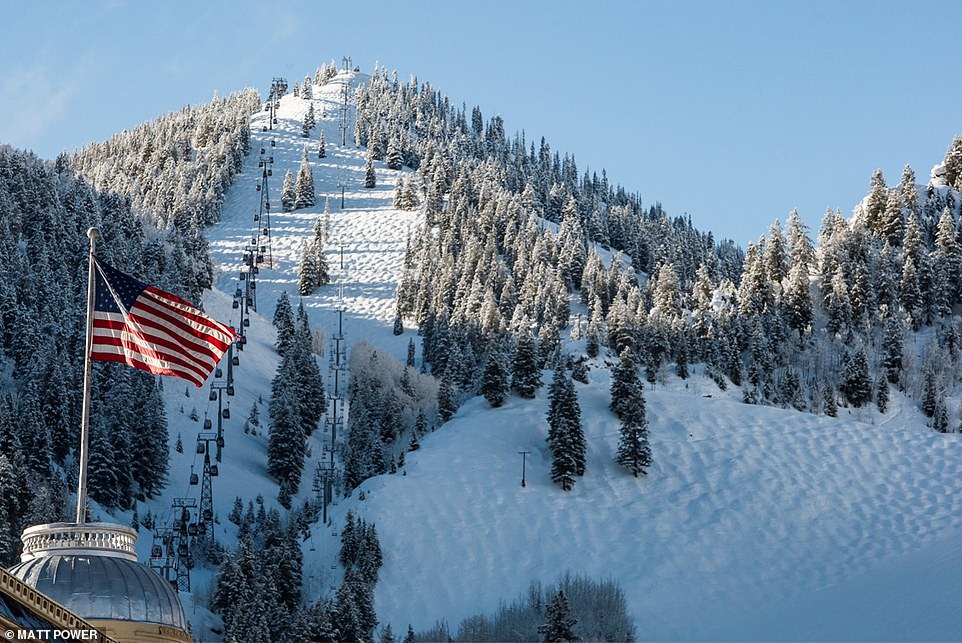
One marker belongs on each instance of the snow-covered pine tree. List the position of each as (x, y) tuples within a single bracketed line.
[(628, 403), (321, 147), (409, 199), (525, 368), (313, 271), (308, 273), (940, 418), (447, 400), (13, 506), (370, 178), (947, 264), (286, 439), (797, 299), (558, 621), (284, 323), (398, 328), (288, 195), (882, 394), (394, 158), (910, 294), (873, 211), (892, 346), (566, 439), (830, 404), (931, 391), (398, 185), (304, 196), (855, 382), (494, 380)]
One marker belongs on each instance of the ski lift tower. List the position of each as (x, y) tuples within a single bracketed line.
[(183, 526), (278, 89)]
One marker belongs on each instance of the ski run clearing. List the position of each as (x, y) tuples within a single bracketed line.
[(753, 523)]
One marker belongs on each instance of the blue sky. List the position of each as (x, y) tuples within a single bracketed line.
[(732, 112)]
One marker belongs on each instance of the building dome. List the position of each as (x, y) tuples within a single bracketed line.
[(92, 569)]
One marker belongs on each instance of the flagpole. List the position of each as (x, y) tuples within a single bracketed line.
[(93, 234)]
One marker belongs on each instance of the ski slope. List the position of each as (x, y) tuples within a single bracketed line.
[(754, 523)]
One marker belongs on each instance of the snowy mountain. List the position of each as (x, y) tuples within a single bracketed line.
[(753, 523)]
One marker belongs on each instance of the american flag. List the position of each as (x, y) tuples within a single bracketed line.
[(153, 330)]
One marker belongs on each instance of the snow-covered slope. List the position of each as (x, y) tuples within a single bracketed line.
[(753, 523), (750, 519)]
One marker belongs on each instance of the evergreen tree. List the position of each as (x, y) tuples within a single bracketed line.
[(525, 369), (398, 328), (775, 256), (624, 383), (892, 349), (628, 403), (558, 624), (12, 507), (838, 304), (315, 624), (288, 195), (34, 436), (940, 417), (893, 218), (149, 454), (370, 178), (931, 392), (313, 271), (286, 440), (856, 384), (681, 363), (321, 147), (797, 299), (411, 353), (874, 208), (309, 120), (408, 197), (284, 323), (447, 401), (494, 381), (398, 185), (947, 264), (882, 395), (831, 406), (566, 439), (103, 484), (304, 196), (910, 294), (394, 158)]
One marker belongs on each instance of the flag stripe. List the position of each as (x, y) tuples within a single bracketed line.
[(122, 353), (158, 322), (202, 325), (114, 336), (153, 330)]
